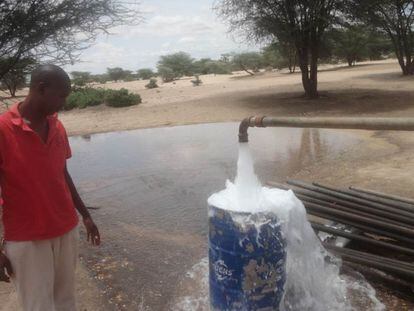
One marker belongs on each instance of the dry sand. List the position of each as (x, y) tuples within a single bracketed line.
[(375, 88), (369, 89)]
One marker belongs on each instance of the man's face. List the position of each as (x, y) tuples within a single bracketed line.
[(53, 97)]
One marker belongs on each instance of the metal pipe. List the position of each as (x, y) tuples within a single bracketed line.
[(390, 124), (334, 193), (376, 261), (362, 227), (361, 219), (404, 288), (394, 262), (339, 207), (400, 205), (334, 202), (383, 195), (376, 230), (361, 238)]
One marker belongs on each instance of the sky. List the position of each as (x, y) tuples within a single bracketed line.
[(169, 26)]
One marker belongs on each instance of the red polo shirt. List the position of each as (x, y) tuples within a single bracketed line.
[(37, 203)]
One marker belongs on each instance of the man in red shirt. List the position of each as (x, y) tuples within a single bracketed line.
[(39, 197)]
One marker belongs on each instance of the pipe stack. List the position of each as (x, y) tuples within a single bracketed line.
[(381, 222)]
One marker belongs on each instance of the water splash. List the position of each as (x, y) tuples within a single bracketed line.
[(313, 279)]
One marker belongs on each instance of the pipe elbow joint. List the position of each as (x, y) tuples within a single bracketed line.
[(245, 124)]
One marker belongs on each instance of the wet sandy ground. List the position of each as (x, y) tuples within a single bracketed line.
[(152, 195)]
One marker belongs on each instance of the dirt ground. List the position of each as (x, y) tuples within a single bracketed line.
[(385, 162)]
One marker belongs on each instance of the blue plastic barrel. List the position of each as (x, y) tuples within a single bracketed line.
[(247, 261)]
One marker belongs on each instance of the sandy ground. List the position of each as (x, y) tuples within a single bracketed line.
[(384, 162)]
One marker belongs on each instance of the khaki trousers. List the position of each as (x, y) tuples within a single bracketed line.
[(44, 272)]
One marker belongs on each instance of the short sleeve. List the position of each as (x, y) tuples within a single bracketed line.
[(68, 150)]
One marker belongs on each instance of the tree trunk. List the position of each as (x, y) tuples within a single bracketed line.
[(12, 89), (295, 61), (308, 63), (314, 71), (309, 77), (245, 69)]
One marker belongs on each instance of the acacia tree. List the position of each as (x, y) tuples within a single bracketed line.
[(145, 73), (280, 55), (180, 64), (396, 19), (15, 78), (80, 78), (250, 62), (56, 31), (350, 43), (116, 73), (305, 21)]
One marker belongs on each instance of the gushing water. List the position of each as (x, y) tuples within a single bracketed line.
[(313, 279)]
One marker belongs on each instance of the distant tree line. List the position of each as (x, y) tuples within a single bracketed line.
[(299, 35), (350, 43)]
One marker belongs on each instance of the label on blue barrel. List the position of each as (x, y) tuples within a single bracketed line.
[(221, 270), (247, 261)]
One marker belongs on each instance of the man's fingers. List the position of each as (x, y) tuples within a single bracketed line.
[(97, 236), (9, 268), (3, 276)]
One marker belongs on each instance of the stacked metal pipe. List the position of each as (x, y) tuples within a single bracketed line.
[(379, 221)]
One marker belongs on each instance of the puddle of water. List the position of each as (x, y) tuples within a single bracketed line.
[(152, 186)]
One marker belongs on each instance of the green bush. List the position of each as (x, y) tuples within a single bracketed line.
[(152, 84), (85, 97), (121, 98)]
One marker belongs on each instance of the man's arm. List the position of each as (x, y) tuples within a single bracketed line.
[(91, 229)]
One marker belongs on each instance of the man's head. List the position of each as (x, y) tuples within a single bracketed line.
[(49, 87)]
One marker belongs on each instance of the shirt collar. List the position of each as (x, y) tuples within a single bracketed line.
[(18, 120)]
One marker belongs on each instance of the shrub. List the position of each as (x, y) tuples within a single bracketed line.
[(197, 81), (121, 98), (80, 78), (152, 84), (145, 74), (167, 74), (181, 64), (85, 97), (130, 78), (102, 79)]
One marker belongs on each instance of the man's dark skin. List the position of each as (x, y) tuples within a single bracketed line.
[(49, 89)]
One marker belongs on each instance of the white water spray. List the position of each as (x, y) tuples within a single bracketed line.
[(313, 279)]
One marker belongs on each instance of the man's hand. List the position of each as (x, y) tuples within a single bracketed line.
[(92, 231), (5, 267)]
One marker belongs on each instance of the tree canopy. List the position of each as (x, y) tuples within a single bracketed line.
[(394, 18), (145, 73), (116, 73), (57, 31), (16, 78), (177, 65), (305, 22)]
